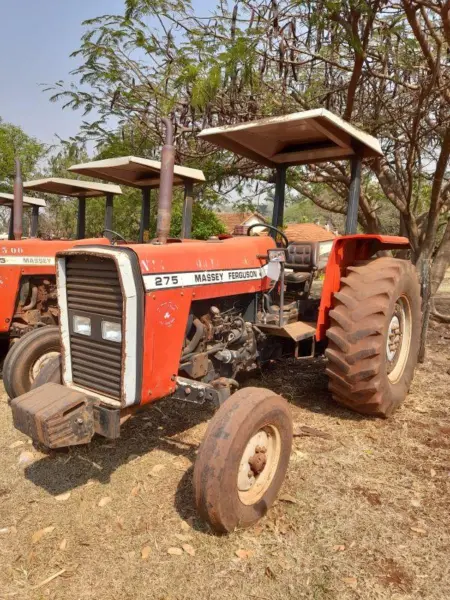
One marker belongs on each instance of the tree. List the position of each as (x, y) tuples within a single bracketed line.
[(381, 65), (15, 143)]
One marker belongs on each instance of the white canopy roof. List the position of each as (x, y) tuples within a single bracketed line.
[(8, 199), (135, 171), (71, 187), (298, 138)]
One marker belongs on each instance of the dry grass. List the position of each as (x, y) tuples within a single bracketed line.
[(371, 519)]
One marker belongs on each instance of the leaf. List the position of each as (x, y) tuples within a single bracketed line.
[(62, 497), (16, 444), (38, 535), (339, 548), (415, 502), (419, 530), (26, 457), (269, 573), (156, 469), (244, 554), (189, 549), (432, 473), (104, 501), (304, 430), (63, 545), (135, 491), (145, 552), (288, 498), (185, 526), (175, 551), (350, 581)]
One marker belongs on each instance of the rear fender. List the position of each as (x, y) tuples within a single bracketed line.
[(346, 251)]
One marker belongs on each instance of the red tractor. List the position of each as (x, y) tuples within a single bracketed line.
[(27, 267), (183, 318)]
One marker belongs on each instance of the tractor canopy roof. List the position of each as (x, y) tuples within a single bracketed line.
[(312, 136), (136, 172), (71, 187), (8, 200)]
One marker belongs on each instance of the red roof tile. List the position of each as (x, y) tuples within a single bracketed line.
[(307, 232)]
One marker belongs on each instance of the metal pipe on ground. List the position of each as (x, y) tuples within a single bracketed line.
[(166, 185), (18, 203)]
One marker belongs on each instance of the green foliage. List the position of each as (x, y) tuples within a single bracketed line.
[(15, 143)]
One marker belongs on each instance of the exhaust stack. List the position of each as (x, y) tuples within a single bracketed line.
[(166, 185), (18, 203)]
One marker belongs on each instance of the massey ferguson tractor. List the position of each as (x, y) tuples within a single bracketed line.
[(183, 318), (27, 267)]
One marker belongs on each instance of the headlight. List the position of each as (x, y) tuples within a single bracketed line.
[(81, 325), (111, 331)]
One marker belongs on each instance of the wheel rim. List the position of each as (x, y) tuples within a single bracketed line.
[(40, 363), (258, 464), (398, 339)]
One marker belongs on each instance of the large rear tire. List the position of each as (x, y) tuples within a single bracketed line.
[(27, 357), (243, 459), (374, 336)]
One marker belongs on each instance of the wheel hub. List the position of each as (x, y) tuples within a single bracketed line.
[(398, 339), (41, 362), (258, 464)]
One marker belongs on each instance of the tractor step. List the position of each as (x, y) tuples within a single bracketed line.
[(297, 331)]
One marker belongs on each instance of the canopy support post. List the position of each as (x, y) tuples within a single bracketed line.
[(186, 225), (81, 222), (278, 205), (11, 224), (354, 191), (109, 214), (34, 221), (145, 216)]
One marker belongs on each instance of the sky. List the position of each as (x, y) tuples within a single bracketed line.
[(37, 39)]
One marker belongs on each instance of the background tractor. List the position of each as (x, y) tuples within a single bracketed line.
[(28, 267), (185, 318)]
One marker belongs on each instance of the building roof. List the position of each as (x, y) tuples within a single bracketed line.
[(307, 232), (8, 199), (231, 220), (71, 187), (308, 137), (135, 171)]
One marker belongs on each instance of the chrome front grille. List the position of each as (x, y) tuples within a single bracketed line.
[(94, 291)]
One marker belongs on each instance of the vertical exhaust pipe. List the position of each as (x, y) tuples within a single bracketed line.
[(18, 203), (166, 185)]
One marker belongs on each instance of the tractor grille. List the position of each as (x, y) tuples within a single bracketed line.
[(93, 290)]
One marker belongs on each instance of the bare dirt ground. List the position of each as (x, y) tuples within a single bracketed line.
[(363, 514)]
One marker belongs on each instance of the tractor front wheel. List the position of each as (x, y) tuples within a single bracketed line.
[(374, 336), (27, 357), (243, 459)]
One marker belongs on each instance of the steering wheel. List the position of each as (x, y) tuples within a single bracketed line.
[(267, 226), (115, 236)]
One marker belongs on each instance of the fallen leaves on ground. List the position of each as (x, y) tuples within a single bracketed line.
[(189, 549), (104, 501), (288, 498), (62, 497), (145, 552), (419, 530), (16, 444), (175, 551), (350, 581), (304, 430), (38, 535), (244, 554), (26, 457), (63, 545), (156, 469)]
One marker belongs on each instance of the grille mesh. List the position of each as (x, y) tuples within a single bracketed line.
[(93, 290)]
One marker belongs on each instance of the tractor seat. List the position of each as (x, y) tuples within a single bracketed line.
[(302, 259)]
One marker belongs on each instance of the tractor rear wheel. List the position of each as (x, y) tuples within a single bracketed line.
[(27, 357), (243, 459), (374, 336)]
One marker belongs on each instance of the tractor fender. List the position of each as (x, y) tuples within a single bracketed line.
[(347, 250)]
